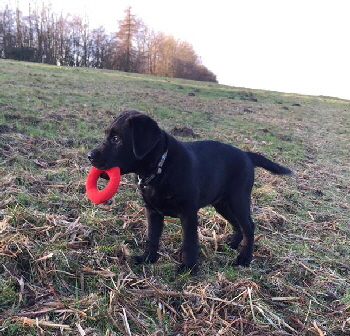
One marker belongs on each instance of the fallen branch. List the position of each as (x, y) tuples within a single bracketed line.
[(36, 322), (103, 273), (320, 332), (285, 298)]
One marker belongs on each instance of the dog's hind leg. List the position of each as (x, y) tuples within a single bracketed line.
[(241, 210), (224, 209), (237, 211)]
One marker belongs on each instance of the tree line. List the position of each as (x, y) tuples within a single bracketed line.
[(44, 36)]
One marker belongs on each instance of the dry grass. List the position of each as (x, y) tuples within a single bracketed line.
[(66, 265)]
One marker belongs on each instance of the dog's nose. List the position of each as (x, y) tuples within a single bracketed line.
[(96, 159)]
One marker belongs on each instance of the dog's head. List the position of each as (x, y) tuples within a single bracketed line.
[(129, 138)]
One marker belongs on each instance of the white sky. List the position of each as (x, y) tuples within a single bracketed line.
[(300, 46)]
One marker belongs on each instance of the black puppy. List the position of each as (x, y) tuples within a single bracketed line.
[(178, 178)]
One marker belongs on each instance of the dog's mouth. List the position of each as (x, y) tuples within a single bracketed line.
[(100, 166), (105, 167), (99, 162)]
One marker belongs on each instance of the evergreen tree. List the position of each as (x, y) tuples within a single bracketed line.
[(126, 35)]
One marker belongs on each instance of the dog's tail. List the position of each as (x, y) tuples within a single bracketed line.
[(259, 160)]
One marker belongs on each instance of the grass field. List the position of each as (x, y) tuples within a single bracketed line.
[(66, 265)]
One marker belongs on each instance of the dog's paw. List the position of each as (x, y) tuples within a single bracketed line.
[(234, 240), (190, 269), (138, 260), (244, 259), (146, 258)]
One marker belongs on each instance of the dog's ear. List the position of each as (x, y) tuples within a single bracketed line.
[(145, 135)]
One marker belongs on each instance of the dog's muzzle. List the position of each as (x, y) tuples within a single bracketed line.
[(96, 159)]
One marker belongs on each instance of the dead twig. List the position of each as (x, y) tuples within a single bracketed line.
[(36, 322)]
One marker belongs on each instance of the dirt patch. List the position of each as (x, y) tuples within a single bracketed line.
[(184, 131), (280, 136)]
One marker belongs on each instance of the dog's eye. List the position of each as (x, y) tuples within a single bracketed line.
[(116, 139)]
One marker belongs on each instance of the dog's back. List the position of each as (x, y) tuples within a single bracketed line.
[(216, 167)]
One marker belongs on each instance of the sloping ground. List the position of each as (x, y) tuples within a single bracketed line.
[(66, 266)]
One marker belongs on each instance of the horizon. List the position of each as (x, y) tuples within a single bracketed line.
[(291, 47)]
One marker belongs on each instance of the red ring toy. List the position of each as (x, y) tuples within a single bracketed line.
[(99, 196)]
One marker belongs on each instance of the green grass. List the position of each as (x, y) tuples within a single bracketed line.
[(68, 262)]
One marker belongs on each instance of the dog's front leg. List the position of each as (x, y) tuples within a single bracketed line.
[(155, 228), (189, 223)]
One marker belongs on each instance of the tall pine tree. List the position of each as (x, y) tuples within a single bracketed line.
[(126, 52)]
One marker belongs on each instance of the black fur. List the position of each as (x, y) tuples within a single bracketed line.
[(194, 175)]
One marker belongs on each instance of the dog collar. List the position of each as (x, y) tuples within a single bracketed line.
[(143, 181)]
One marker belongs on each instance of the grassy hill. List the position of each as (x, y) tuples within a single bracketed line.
[(65, 264)]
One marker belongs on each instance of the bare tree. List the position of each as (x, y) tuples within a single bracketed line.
[(44, 36), (141, 43), (7, 31)]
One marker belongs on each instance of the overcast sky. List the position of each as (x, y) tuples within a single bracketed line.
[(300, 46)]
